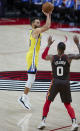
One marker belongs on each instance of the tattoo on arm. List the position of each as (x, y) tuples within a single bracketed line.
[(74, 56)]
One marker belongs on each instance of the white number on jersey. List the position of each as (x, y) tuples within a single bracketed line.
[(59, 71)]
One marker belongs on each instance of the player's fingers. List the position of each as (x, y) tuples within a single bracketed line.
[(53, 41), (43, 12), (75, 37), (50, 38)]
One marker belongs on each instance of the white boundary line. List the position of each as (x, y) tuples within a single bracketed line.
[(23, 120)]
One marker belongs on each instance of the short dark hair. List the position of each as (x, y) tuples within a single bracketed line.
[(61, 46), (33, 19)]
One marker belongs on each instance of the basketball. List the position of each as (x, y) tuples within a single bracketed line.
[(47, 7)]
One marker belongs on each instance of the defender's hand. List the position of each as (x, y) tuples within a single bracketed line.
[(50, 41), (76, 40)]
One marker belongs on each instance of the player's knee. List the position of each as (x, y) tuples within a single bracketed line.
[(28, 84), (30, 81)]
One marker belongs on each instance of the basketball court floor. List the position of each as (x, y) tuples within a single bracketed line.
[(13, 49)]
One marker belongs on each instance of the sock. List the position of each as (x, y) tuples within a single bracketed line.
[(70, 110), (74, 120), (44, 118), (25, 96), (46, 109)]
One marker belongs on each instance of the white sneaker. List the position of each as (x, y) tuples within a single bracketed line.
[(74, 126), (24, 101), (42, 125)]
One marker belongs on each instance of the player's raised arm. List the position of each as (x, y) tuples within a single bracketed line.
[(48, 22), (75, 56), (45, 27), (76, 40), (45, 53)]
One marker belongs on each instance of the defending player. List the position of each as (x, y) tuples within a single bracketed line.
[(32, 55), (60, 83)]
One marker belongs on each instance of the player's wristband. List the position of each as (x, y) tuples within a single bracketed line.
[(45, 53)]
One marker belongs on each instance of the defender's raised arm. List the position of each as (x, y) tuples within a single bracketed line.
[(75, 56), (45, 53)]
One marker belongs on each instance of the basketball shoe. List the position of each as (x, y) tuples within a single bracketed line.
[(24, 101), (42, 125), (74, 125)]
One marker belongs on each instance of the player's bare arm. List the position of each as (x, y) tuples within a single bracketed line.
[(44, 28), (45, 53), (75, 56), (76, 40), (48, 22)]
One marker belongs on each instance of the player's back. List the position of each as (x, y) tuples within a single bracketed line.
[(60, 67)]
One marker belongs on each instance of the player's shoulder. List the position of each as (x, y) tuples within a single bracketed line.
[(36, 31), (65, 55), (30, 30), (54, 56)]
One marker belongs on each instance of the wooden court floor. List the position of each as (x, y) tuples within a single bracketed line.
[(14, 117), (13, 48)]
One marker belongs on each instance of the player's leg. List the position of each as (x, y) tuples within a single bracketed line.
[(45, 113), (24, 100), (52, 92), (71, 113), (65, 94)]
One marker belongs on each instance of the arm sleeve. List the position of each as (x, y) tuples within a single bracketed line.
[(45, 53)]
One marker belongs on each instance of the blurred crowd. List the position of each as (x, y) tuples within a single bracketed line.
[(58, 3), (65, 11)]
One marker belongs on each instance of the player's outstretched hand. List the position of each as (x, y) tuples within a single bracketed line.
[(50, 41), (76, 40), (47, 14)]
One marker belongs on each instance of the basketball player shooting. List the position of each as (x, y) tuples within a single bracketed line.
[(32, 56), (60, 82)]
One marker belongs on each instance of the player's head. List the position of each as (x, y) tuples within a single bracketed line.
[(61, 47), (35, 22)]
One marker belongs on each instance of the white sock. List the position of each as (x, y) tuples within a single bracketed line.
[(25, 96)]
